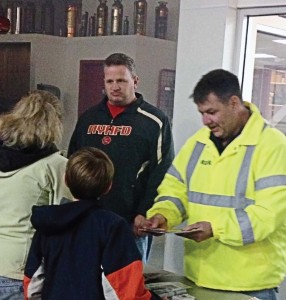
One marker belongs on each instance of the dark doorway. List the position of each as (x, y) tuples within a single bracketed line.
[(91, 84), (14, 73)]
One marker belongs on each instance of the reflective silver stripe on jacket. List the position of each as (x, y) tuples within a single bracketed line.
[(270, 181), (177, 202), (199, 147), (174, 172), (219, 200), (239, 202)]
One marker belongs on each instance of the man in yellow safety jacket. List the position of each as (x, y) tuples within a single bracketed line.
[(229, 183)]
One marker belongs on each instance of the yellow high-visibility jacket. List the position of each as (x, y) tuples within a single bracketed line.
[(242, 193)]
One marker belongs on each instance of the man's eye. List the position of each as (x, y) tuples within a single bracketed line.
[(211, 112)]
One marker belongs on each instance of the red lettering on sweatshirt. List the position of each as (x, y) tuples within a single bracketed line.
[(109, 130)]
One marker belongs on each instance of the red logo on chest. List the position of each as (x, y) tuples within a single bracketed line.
[(106, 140)]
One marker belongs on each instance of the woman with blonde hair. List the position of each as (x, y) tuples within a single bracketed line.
[(31, 173)]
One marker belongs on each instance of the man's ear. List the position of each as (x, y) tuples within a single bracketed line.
[(235, 102), (136, 80)]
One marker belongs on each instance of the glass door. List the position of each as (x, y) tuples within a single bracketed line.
[(262, 65)]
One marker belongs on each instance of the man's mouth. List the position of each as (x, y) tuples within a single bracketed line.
[(214, 129)]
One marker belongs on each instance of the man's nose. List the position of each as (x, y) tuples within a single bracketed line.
[(115, 86), (206, 119)]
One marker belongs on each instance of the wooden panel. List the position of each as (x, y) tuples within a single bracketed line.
[(91, 84), (14, 73), (3, 73)]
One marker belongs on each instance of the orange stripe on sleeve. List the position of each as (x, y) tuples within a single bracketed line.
[(26, 283), (128, 282)]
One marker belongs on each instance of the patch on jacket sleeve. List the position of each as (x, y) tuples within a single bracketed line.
[(108, 291), (33, 286)]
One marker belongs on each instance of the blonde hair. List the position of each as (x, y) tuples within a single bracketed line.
[(34, 121)]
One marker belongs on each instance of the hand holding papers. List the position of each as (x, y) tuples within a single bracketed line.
[(160, 231)]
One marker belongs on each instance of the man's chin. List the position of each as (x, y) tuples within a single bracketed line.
[(217, 134), (116, 101)]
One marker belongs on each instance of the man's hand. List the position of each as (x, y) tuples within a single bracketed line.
[(198, 232), (139, 222), (157, 221)]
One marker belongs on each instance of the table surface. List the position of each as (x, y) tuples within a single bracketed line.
[(154, 275)]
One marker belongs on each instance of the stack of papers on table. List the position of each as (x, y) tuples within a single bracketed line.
[(176, 290), (183, 297)]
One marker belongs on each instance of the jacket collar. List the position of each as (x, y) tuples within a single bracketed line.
[(131, 108), (12, 159), (249, 135)]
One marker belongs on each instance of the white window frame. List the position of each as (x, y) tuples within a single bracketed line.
[(242, 25)]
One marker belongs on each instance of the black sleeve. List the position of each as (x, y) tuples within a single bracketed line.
[(159, 165), (34, 269), (73, 145)]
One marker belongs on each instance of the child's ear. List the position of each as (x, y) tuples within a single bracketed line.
[(108, 189)]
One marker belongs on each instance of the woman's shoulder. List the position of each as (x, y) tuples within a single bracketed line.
[(54, 161)]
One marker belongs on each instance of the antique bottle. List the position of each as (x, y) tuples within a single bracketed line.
[(126, 26), (161, 20), (10, 14), (116, 18), (47, 17), (102, 18), (92, 25), (140, 15), (19, 18), (29, 15), (84, 24), (71, 20)]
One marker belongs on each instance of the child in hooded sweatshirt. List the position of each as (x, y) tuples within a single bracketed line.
[(81, 251)]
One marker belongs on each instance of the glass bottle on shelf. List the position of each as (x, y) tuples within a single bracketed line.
[(116, 18), (47, 17), (72, 20), (140, 15), (102, 18), (29, 15), (126, 26), (92, 25), (10, 14), (161, 20), (19, 18), (84, 24)]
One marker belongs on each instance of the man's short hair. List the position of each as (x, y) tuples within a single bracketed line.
[(222, 83), (89, 173), (120, 59)]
